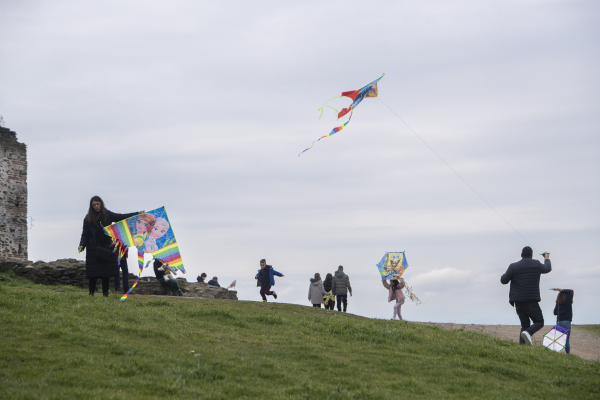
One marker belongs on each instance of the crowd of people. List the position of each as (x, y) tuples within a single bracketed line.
[(523, 276)]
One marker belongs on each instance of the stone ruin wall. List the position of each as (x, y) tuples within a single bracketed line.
[(13, 197), (72, 272)]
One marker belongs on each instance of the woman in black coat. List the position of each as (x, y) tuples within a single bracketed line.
[(99, 264), (327, 283)]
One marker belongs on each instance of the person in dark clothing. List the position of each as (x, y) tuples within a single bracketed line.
[(125, 273), (564, 312), (201, 277), (327, 283), (214, 282), (265, 278), (100, 261), (340, 288), (524, 294), (161, 276)]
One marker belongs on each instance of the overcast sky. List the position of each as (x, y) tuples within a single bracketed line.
[(202, 107)]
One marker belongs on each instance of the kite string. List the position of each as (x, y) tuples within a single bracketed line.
[(457, 174)]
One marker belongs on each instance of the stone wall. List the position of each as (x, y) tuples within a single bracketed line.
[(13, 197), (72, 272)]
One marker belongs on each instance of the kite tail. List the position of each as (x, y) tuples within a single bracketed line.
[(333, 132), (412, 296), (141, 266), (321, 109)]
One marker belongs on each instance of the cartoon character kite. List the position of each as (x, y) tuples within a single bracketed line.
[(392, 266), (151, 232), (357, 96)]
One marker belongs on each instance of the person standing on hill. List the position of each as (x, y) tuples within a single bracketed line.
[(340, 288), (100, 261), (265, 278), (327, 283), (524, 294), (316, 291), (395, 293), (564, 312)]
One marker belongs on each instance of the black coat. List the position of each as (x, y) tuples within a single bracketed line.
[(524, 278), (327, 284), (95, 268), (213, 283)]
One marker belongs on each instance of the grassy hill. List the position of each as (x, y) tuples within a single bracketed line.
[(68, 345)]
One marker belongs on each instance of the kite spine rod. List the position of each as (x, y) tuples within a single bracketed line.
[(457, 174)]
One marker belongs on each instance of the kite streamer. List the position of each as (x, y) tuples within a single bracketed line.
[(153, 234), (357, 96), (410, 294), (328, 297)]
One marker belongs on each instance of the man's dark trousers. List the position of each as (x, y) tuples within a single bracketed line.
[(342, 298), (265, 290), (527, 310)]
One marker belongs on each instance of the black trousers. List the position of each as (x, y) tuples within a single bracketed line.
[(317, 305), (527, 310), (342, 298), (105, 283), (330, 304)]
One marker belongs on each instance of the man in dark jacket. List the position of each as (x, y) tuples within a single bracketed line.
[(340, 288), (214, 282), (265, 278), (524, 294)]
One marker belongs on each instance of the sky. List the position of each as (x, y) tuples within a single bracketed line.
[(203, 107)]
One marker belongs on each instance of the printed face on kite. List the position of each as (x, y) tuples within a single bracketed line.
[(144, 223), (158, 231)]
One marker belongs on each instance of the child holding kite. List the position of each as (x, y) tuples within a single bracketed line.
[(395, 293), (564, 312)]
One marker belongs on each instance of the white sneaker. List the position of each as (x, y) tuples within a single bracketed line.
[(526, 337), (274, 295)]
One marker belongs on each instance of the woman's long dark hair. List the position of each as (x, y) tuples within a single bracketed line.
[(318, 276), (328, 277), (92, 215), (561, 298), (395, 284)]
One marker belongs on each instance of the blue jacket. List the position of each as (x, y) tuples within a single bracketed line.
[(271, 271)]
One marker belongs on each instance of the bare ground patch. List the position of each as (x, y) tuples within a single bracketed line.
[(583, 343)]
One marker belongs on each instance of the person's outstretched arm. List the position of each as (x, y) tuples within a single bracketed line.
[(385, 284), (277, 273), (547, 267), (120, 217), (504, 279)]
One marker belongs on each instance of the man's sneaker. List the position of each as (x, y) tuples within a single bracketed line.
[(526, 337), (264, 301), (274, 295)]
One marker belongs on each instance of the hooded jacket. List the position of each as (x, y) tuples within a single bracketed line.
[(524, 278), (268, 269), (341, 283), (316, 291)]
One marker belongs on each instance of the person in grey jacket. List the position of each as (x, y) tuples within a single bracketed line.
[(524, 294), (316, 291), (341, 287)]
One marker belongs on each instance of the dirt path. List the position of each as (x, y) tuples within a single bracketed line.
[(584, 344)]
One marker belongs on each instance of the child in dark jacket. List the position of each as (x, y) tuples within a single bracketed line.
[(265, 278), (564, 312)]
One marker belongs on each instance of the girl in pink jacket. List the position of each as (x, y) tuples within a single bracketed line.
[(395, 293)]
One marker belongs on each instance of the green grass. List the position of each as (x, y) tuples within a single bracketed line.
[(589, 328), (72, 346)]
